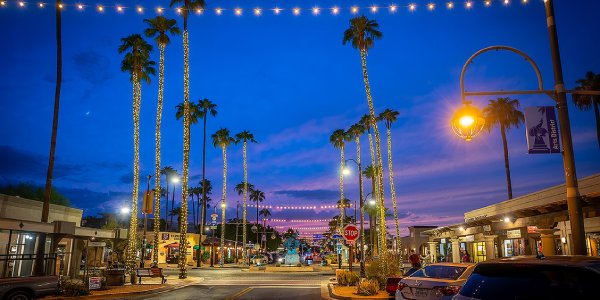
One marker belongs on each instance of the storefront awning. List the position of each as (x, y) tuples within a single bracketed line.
[(174, 245)]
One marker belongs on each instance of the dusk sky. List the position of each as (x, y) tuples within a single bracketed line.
[(290, 81)]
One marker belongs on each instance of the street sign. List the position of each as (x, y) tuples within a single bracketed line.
[(336, 236), (351, 233), (339, 248)]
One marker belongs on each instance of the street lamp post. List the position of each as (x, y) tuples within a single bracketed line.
[(468, 126), (362, 219)]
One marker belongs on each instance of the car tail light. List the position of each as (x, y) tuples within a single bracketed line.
[(401, 285), (448, 290)]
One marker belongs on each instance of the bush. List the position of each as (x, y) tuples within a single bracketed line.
[(347, 278), (278, 265), (298, 265), (73, 288), (229, 260), (380, 271), (367, 287)]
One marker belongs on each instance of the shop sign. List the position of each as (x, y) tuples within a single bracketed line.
[(96, 244), (487, 228), (95, 283), (513, 234), (481, 217), (467, 239), (165, 236), (532, 229)]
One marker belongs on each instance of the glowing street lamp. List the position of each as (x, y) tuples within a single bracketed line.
[(467, 122)]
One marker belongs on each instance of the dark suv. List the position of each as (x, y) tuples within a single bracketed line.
[(552, 277)]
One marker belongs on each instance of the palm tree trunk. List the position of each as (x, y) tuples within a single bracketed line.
[(342, 205), (244, 213), (132, 243), (161, 78), (203, 217), (393, 190), (506, 166), (379, 170), (595, 103), (186, 153), (38, 268), (222, 250)]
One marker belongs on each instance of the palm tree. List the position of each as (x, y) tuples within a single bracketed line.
[(338, 139), (207, 107), (168, 171), (244, 136), (365, 120), (362, 34), (591, 82), (137, 63), (257, 196), (39, 260), (222, 139), (160, 28), (390, 116), (370, 173), (187, 6), (355, 132), (265, 213), (206, 188), (504, 113)]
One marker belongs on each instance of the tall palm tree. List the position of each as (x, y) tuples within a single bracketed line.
[(168, 171), (389, 116), (245, 137), (138, 64), (370, 173), (362, 34), (504, 113), (591, 82), (338, 139), (257, 196), (159, 28), (39, 260), (355, 132), (222, 139), (187, 6), (207, 108), (265, 213), (206, 189)]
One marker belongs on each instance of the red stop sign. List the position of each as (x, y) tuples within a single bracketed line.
[(350, 233)]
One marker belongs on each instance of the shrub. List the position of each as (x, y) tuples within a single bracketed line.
[(367, 287), (298, 265), (345, 277), (278, 265), (73, 288), (380, 271)]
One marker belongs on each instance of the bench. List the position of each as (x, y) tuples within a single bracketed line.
[(150, 272)]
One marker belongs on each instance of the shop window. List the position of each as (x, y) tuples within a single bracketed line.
[(513, 247)]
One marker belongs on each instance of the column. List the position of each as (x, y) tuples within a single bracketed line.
[(432, 252), (547, 236), (455, 250), (490, 249)]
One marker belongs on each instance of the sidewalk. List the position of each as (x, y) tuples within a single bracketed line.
[(148, 285)]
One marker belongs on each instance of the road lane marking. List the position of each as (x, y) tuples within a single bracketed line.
[(240, 293)]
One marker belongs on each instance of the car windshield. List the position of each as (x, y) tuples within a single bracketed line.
[(550, 282), (440, 272)]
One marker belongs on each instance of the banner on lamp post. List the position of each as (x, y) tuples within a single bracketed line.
[(147, 202), (541, 130)]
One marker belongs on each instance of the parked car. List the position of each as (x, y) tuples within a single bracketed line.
[(391, 284), (260, 260), (21, 288), (528, 277), (435, 281)]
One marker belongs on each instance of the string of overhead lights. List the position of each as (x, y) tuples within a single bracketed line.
[(299, 220), (257, 11), (303, 228), (310, 207)]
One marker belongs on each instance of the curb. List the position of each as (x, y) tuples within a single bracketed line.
[(335, 296), (119, 295)]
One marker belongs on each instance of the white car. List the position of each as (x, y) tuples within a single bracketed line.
[(436, 281)]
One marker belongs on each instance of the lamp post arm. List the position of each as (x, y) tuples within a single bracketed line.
[(507, 48)]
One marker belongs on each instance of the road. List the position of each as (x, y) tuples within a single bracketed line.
[(237, 284)]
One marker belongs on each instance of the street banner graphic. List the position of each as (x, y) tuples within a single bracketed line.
[(541, 130)]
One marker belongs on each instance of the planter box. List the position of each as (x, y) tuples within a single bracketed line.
[(115, 277)]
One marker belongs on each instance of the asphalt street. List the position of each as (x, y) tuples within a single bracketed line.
[(238, 284)]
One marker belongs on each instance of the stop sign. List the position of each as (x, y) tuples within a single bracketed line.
[(350, 233)]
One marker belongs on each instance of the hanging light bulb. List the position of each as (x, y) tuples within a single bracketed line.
[(335, 10)]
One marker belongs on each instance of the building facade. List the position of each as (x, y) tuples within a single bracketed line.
[(537, 223)]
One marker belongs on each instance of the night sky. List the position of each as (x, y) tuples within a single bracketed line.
[(290, 81)]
